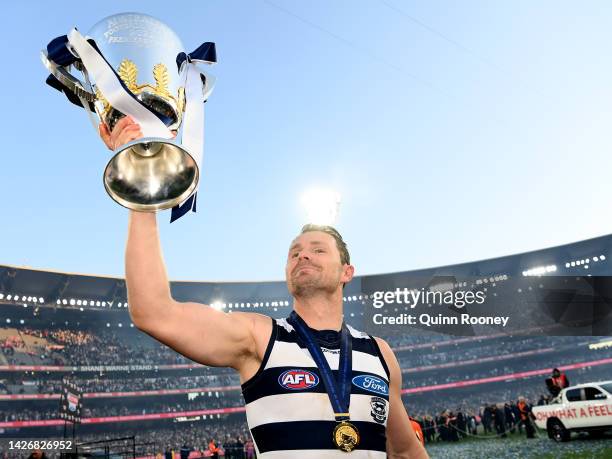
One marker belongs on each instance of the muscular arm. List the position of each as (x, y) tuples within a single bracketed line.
[(203, 334), (402, 442), (197, 331)]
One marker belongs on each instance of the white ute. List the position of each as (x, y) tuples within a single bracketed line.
[(580, 408)]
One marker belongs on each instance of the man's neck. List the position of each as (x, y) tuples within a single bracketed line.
[(320, 313)]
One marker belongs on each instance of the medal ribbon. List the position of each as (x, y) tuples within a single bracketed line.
[(339, 391)]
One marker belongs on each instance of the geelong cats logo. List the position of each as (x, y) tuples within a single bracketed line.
[(298, 379), (379, 409)]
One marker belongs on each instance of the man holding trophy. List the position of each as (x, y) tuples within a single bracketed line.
[(314, 387)]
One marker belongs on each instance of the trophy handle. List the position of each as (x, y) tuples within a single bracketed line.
[(69, 81)]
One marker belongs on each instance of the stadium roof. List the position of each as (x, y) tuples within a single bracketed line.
[(581, 258)]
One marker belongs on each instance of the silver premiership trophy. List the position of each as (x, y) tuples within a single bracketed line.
[(133, 64)]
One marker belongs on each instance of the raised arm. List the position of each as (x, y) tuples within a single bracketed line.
[(197, 331)]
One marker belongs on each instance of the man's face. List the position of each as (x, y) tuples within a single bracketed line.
[(313, 265)]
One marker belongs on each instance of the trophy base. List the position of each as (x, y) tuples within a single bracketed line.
[(151, 174)]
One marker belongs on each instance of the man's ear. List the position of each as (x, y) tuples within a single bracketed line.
[(348, 271)]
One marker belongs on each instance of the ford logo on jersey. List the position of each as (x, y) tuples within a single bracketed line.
[(371, 384), (298, 379)]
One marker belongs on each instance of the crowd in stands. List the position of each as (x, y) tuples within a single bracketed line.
[(419, 379), (78, 347), (99, 385), (118, 350), (207, 403), (497, 347), (445, 415), (118, 409), (229, 435)]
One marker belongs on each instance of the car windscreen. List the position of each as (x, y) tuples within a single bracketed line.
[(607, 387)]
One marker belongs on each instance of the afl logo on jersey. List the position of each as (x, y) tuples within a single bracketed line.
[(371, 384), (298, 379)]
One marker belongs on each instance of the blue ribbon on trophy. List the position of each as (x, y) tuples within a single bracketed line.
[(345, 435), (135, 65)]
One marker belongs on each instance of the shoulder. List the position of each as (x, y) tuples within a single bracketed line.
[(260, 327), (252, 319), (385, 349), (389, 356)]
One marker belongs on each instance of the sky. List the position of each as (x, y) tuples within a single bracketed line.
[(454, 131)]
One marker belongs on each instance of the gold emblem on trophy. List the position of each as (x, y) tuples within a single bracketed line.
[(136, 63)]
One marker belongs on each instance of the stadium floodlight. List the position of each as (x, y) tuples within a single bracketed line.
[(322, 206), (8, 321), (72, 302), (41, 300), (602, 257), (1, 296), (217, 305), (540, 270), (21, 321), (8, 297), (16, 298)]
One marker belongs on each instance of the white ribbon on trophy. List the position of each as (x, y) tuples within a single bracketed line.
[(111, 87)]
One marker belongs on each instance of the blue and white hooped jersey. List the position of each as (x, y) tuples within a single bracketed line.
[(288, 410)]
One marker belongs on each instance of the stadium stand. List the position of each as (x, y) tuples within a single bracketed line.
[(56, 325)]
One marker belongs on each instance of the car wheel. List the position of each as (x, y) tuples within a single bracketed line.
[(557, 431)]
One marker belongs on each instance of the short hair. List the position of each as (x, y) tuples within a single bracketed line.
[(345, 257)]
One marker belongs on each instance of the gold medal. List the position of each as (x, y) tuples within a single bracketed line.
[(346, 436)]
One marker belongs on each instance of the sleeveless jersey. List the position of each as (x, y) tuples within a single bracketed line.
[(287, 407)]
